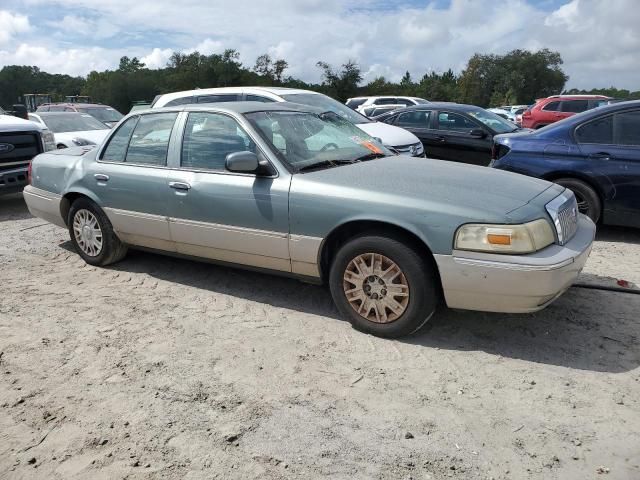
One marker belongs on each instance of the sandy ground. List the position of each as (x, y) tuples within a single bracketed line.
[(166, 368)]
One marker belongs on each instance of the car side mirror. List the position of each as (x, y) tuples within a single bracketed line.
[(478, 133), (247, 162)]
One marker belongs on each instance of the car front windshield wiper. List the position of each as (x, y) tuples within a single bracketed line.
[(325, 164), (370, 156)]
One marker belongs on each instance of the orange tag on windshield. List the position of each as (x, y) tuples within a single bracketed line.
[(372, 146)]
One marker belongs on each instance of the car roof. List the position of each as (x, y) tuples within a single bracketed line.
[(236, 107), (72, 104), (56, 114), (211, 91)]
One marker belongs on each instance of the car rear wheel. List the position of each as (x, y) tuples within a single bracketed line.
[(587, 198), (383, 286), (92, 234)]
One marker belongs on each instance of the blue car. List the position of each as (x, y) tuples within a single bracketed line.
[(596, 154)]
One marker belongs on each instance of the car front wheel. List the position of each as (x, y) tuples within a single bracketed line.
[(383, 286), (587, 198), (92, 234)]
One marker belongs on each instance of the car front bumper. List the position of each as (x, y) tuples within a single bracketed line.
[(514, 283), (14, 180)]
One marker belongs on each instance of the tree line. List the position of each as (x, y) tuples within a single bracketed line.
[(518, 77)]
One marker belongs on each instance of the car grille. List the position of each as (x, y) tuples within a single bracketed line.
[(18, 148), (414, 150), (564, 213)]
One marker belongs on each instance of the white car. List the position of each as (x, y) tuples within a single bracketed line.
[(506, 114), (360, 103), (397, 138), (72, 129)]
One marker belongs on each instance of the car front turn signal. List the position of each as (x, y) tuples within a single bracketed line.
[(525, 238)]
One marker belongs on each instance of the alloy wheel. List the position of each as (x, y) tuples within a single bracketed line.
[(87, 232)]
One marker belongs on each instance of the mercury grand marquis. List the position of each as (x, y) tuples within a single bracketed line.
[(278, 188)]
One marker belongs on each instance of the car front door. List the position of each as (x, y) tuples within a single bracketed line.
[(225, 216), (612, 145), (458, 139), (130, 179)]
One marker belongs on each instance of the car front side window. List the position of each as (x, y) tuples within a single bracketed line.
[(150, 140), (209, 138), (454, 122)]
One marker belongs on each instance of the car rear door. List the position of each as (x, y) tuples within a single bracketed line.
[(418, 122), (454, 140), (130, 179), (612, 144), (225, 216)]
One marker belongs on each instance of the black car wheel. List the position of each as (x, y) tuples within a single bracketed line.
[(587, 198), (383, 286)]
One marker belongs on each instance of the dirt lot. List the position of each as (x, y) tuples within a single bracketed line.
[(166, 368)]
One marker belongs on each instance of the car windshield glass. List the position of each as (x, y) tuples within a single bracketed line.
[(493, 121), (103, 114), (72, 122), (304, 140), (327, 104)]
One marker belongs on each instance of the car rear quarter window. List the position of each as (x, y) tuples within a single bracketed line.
[(116, 149), (209, 138), (150, 140), (598, 131), (575, 106), (551, 107), (414, 119), (626, 128), (258, 98), (217, 98)]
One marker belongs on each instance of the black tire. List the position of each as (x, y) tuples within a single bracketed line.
[(112, 249), (588, 200), (418, 273)]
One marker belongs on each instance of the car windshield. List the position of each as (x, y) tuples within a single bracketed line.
[(493, 121), (72, 122), (326, 104), (305, 140), (104, 114)]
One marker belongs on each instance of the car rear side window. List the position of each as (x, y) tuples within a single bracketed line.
[(599, 131), (626, 128), (150, 140), (218, 98), (575, 106), (415, 119), (209, 138), (385, 101), (551, 107), (116, 149)]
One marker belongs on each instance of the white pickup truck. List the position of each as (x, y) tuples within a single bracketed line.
[(20, 141)]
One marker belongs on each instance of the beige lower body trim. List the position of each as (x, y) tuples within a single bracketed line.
[(137, 225), (305, 255), (43, 204)]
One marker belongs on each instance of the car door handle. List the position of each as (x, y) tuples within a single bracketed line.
[(101, 177), (179, 185), (440, 139), (601, 156)]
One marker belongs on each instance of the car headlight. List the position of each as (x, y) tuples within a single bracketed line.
[(48, 140), (526, 238), (417, 150), (81, 142)]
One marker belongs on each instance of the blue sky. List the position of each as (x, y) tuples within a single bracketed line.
[(599, 41)]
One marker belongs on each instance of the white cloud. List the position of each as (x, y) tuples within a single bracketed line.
[(599, 41), (11, 24)]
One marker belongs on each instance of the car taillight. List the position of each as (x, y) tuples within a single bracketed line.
[(494, 151), (29, 172)]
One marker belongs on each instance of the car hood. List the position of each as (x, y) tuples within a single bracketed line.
[(390, 135), (477, 193), (9, 123), (95, 136)]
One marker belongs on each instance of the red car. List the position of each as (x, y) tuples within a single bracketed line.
[(551, 109)]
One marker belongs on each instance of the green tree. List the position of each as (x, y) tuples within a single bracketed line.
[(343, 84)]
